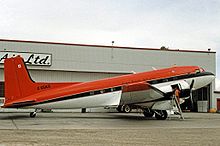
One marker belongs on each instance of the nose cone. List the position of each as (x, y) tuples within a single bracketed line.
[(203, 79)]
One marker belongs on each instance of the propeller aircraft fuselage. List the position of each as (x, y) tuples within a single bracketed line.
[(151, 91)]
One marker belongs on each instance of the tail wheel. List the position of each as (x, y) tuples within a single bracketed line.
[(161, 114), (126, 108), (33, 114)]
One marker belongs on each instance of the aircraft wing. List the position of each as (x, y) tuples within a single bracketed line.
[(141, 92), (154, 95)]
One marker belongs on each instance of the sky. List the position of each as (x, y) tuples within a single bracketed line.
[(177, 24)]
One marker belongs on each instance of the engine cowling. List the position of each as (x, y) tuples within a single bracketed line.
[(168, 88)]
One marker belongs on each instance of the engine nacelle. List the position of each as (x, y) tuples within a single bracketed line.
[(168, 88)]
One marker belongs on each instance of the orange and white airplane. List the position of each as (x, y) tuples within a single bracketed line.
[(150, 90)]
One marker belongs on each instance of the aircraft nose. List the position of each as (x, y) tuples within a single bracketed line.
[(203, 79), (211, 76)]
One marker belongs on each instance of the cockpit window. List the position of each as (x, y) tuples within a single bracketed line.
[(199, 70)]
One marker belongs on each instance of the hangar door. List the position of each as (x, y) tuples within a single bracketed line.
[(218, 104), (2, 89), (2, 92), (202, 99)]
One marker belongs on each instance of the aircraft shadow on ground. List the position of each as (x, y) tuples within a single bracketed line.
[(130, 117), (14, 117)]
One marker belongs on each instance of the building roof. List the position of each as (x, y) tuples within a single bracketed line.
[(103, 46)]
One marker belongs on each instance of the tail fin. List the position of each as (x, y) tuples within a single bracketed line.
[(18, 83)]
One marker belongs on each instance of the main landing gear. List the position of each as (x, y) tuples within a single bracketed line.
[(124, 108), (159, 114), (148, 112)]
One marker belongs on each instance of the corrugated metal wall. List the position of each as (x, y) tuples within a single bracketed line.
[(106, 59), (64, 76)]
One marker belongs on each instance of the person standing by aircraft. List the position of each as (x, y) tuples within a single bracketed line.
[(177, 93)]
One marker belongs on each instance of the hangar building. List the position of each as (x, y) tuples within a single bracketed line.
[(58, 62)]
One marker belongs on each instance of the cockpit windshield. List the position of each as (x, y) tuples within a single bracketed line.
[(199, 70)]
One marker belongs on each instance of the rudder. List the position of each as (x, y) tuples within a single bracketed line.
[(18, 83)]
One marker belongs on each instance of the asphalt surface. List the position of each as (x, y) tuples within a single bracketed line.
[(108, 129)]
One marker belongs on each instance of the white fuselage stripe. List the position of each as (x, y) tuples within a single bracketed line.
[(99, 100)]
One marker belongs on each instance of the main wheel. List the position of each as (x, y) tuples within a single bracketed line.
[(33, 114), (161, 114), (126, 108), (148, 112)]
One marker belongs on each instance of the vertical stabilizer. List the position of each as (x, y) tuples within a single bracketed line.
[(18, 83)]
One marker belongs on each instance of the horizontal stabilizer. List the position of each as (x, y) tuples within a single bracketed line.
[(23, 103)]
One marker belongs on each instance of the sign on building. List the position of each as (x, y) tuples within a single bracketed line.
[(29, 58)]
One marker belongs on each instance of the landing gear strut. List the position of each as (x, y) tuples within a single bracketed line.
[(33, 114), (119, 108)]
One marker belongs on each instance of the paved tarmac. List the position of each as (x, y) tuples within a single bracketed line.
[(108, 129)]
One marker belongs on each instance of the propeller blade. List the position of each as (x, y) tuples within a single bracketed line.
[(191, 85), (191, 98)]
